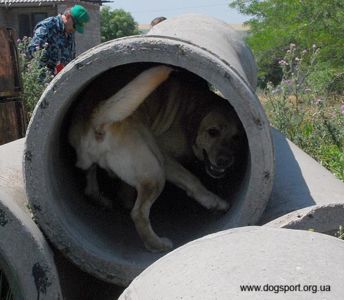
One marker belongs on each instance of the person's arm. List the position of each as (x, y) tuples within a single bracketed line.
[(40, 37)]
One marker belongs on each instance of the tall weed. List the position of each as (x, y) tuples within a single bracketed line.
[(306, 111), (35, 76)]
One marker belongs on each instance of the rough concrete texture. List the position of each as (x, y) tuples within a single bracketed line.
[(320, 218), (24, 242), (289, 264), (106, 243), (299, 181), (216, 36), (25, 256)]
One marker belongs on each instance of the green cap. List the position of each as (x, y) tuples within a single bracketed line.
[(80, 17)]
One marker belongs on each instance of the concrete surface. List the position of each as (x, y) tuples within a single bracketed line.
[(299, 181), (288, 264), (105, 243), (31, 264), (25, 256), (320, 218)]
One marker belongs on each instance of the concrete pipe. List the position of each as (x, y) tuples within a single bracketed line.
[(299, 182), (247, 263), (105, 243), (25, 257), (321, 218)]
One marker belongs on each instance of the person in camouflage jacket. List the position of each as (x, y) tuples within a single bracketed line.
[(55, 35)]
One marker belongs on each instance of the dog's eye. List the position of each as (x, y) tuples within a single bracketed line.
[(213, 132)]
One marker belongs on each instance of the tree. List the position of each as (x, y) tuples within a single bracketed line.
[(277, 23), (116, 23)]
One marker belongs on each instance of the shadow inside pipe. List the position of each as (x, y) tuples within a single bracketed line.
[(174, 214), (290, 191), (9, 287)]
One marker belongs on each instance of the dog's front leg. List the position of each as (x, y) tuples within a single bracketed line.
[(147, 193), (185, 180)]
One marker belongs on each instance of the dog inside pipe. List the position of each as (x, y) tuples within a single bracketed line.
[(150, 131)]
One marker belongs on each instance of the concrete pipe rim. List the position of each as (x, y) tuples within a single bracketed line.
[(324, 219), (51, 110), (31, 274)]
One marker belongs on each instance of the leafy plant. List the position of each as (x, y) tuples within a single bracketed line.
[(274, 24), (35, 76), (306, 112)]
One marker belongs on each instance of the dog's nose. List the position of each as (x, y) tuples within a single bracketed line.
[(224, 161)]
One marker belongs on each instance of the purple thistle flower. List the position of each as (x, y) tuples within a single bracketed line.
[(283, 62), (342, 108)]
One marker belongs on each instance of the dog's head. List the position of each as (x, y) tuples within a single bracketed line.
[(219, 140)]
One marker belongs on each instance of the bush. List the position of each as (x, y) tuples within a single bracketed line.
[(35, 77), (274, 24), (116, 23), (305, 111)]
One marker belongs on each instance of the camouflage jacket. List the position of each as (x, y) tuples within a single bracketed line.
[(58, 46)]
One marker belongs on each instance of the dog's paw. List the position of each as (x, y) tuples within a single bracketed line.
[(161, 245), (213, 202), (222, 205)]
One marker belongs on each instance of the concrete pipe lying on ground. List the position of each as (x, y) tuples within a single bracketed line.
[(320, 218), (105, 243), (299, 181), (25, 257), (247, 263)]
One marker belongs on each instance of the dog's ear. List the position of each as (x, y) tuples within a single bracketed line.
[(200, 108)]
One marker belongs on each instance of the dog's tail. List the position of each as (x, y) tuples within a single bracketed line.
[(126, 100)]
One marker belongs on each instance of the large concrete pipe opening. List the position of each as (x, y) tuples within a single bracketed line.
[(105, 242)]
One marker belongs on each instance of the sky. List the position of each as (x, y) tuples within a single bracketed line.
[(143, 11)]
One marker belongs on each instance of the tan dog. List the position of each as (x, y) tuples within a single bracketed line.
[(143, 142)]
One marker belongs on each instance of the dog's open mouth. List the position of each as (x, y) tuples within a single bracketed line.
[(212, 170)]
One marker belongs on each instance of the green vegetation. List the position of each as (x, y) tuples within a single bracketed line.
[(298, 47), (340, 233), (310, 117), (116, 23), (35, 77), (277, 23)]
